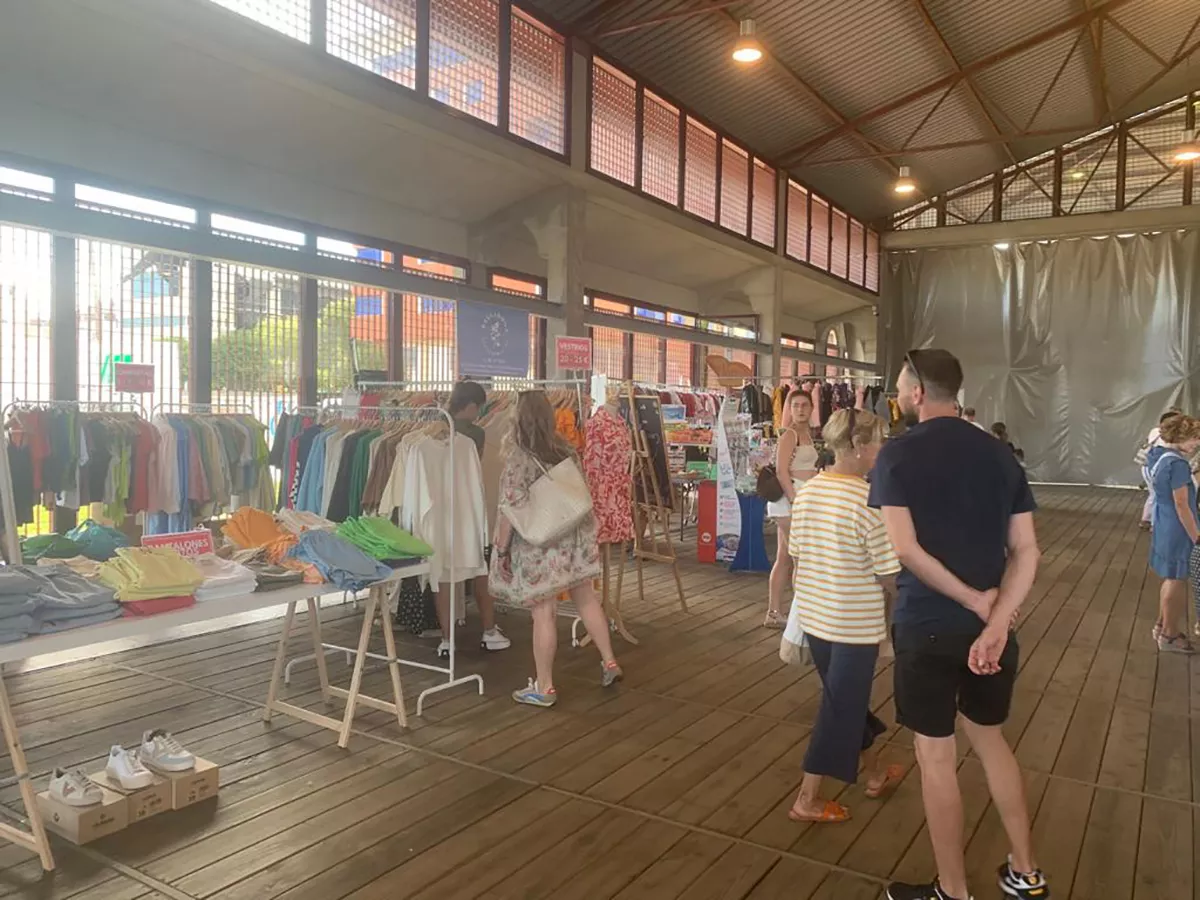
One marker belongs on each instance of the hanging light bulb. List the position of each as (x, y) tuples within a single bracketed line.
[(747, 49), (905, 184), (1189, 150)]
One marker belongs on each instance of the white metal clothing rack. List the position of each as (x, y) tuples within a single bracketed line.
[(201, 409), (377, 605), (85, 406)]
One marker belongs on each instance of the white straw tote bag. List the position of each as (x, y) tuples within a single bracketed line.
[(557, 502)]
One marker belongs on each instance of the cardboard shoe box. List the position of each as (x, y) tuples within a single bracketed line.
[(143, 802), (196, 785), (84, 824)]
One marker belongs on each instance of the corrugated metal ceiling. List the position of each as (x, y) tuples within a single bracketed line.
[(832, 60)]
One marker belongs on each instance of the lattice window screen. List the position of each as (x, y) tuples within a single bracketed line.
[(352, 328), (132, 306), (290, 17), (679, 362), (856, 252), (871, 281), (660, 149), (1152, 177), (256, 338), (538, 83), (840, 246), (797, 222), (464, 56), (906, 220), (646, 358), (1028, 192), (381, 38), (608, 352), (25, 308), (971, 205), (818, 247), (700, 171), (762, 228), (613, 150), (1090, 176), (430, 341), (735, 187)]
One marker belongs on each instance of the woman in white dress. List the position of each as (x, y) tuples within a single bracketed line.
[(795, 463)]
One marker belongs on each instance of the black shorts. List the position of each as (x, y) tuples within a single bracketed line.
[(933, 682)]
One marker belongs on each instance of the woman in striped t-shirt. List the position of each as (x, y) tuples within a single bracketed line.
[(844, 568)]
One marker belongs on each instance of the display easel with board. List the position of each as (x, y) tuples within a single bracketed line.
[(651, 488)]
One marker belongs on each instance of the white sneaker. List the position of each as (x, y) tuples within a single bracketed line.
[(443, 650), (161, 752), (495, 639), (125, 768), (74, 789)]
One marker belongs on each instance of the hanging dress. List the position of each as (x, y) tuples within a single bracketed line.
[(606, 455)]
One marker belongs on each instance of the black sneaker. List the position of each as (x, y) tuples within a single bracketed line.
[(1031, 886), (898, 890)]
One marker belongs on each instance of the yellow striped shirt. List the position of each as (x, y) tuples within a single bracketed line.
[(839, 547)]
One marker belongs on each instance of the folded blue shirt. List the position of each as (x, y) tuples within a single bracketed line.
[(338, 561)]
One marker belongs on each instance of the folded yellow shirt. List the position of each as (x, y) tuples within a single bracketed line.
[(147, 573)]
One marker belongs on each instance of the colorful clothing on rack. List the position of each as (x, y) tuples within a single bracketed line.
[(606, 465)]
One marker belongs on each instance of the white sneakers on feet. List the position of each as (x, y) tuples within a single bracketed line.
[(126, 769), (495, 639), (73, 788), (161, 752)]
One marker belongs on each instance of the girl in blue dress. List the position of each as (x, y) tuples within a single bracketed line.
[(1175, 524)]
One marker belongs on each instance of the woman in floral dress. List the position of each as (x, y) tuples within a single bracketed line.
[(532, 576)]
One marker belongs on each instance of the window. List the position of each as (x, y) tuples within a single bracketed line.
[(831, 349), (131, 206), (133, 306), (613, 150), (26, 184), (660, 149), (538, 83), (818, 248), (25, 308), (378, 37), (871, 281), (515, 284), (762, 228), (735, 187), (840, 244), (797, 222), (464, 56), (679, 362), (256, 232), (856, 252), (646, 358), (288, 17), (700, 171), (608, 352), (352, 334), (429, 339), (434, 268), (256, 339)]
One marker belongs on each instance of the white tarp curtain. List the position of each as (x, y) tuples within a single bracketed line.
[(1077, 345)]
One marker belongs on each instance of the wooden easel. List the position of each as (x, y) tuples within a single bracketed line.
[(649, 512), (35, 838)]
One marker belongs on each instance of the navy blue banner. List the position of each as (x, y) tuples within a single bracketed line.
[(492, 340)]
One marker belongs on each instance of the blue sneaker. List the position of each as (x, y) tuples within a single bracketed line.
[(532, 695)]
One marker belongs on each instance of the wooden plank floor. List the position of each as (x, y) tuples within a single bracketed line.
[(675, 785)]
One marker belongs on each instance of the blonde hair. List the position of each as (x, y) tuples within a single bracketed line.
[(1178, 429), (867, 429), (534, 431)]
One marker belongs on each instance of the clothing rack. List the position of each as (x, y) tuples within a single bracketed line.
[(202, 409), (84, 406), (431, 415)]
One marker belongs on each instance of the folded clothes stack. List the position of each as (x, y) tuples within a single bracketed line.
[(49, 547), (258, 536), (270, 578), (339, 562), (380, 538), (17, 587), (80, 565), (96, 541), (50, 599), (298, 521), (222, 578), (150, 573)]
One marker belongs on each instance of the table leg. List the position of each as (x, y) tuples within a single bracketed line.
[(35, 839), (280, 661), (360, 661), (389, 642), (314, 628)]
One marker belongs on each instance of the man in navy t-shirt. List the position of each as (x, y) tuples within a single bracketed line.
[(959, 512)]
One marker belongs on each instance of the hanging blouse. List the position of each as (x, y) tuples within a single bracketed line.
[(606, 458)]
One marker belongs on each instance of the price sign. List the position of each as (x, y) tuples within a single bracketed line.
[(133, 378), (185, 543), (572, 352)]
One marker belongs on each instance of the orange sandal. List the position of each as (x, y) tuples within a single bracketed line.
[(831, 814), (891, 777)]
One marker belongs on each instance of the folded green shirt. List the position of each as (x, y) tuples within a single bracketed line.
[(379, 538)]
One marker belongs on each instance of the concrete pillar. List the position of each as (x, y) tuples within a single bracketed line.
[(560, 234), (765, 293)]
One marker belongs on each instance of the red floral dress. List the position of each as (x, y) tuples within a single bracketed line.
[(608, 447)]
